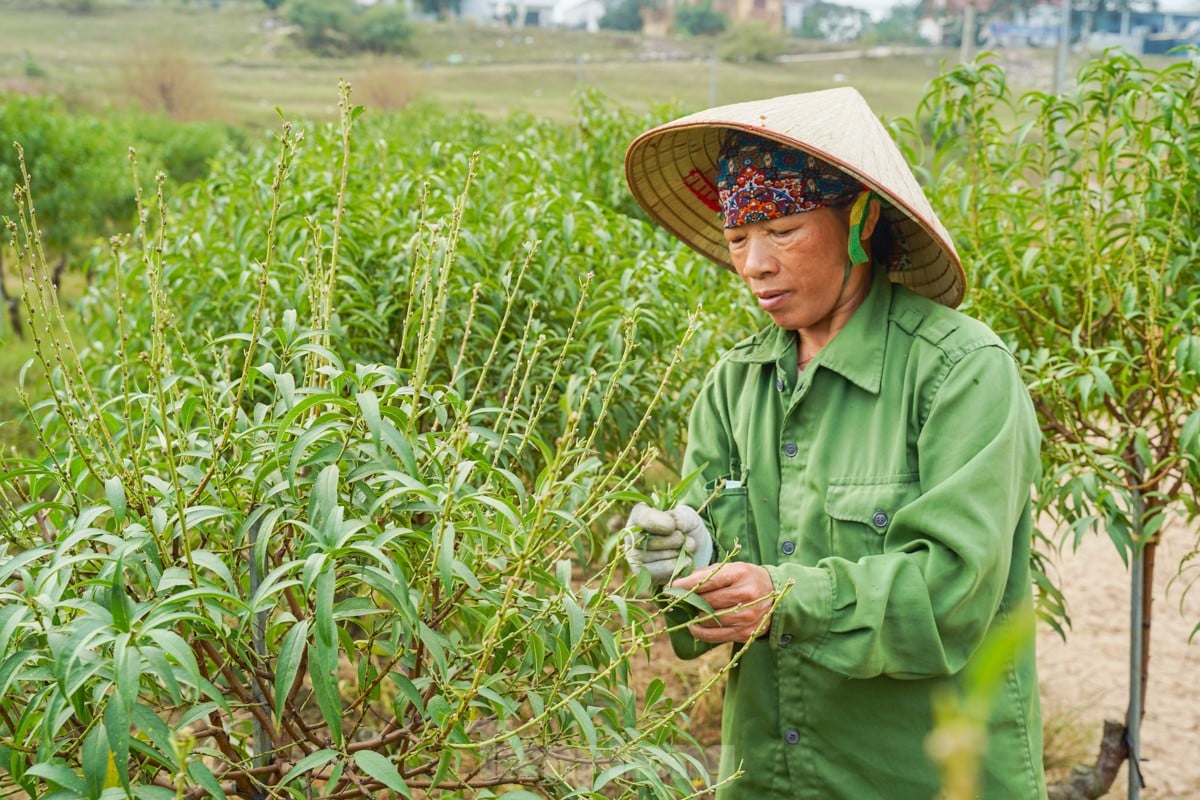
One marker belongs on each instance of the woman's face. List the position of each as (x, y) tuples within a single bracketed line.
[(795, 266)]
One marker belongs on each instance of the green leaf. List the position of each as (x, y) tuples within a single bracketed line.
[(1189, 435), (1187, 356), (654, 692), (586, 726), (368, 404), (94, 758), (383, 770), (157, 734), (116, 722), (291, 653), (9, 566), (114, 492), (199, 772), (179, 651), (574, 618), (445, 553), (119, 604), (10, 669), (322, 670), (604, 778), (310, 762), (688, 597), (146, 792), (409, 690), (57, 774), (325, 626), (324, 496)]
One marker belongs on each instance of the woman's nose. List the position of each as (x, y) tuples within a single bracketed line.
[(758, 261)]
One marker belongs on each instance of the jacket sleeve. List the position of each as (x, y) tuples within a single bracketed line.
[(923, 606)]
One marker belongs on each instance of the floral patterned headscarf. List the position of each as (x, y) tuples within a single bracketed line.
[(759, 179)]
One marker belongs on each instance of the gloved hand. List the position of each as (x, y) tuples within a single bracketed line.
[(657, 538)]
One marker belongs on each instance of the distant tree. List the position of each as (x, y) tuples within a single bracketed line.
[(753, 41), (624, 15), (384, 29), (272, 5), (322, 25), (833, 22), (898, 27), (335, 27), (700, 19)]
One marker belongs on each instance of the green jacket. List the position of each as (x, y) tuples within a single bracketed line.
[(888, 488)]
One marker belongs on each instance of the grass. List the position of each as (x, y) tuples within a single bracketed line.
[(249, 64), (252, 67)]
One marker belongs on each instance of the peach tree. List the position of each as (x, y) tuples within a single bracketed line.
[(1078, 216)]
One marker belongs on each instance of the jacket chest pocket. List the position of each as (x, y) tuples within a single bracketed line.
[(729, 520), (860, 514)]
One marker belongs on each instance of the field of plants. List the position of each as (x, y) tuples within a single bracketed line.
[(313, 480)]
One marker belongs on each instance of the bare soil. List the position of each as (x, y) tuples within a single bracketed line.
[(1085, 679)]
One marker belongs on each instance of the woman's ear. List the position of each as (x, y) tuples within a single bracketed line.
[(872, 219)]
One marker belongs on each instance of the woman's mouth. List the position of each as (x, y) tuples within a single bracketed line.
[(770, 300)]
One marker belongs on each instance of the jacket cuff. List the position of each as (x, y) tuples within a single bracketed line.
[(804, 612)]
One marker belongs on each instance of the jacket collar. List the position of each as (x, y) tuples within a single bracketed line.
[(856, 353)]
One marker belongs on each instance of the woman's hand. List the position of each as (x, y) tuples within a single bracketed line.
[(740, 594)]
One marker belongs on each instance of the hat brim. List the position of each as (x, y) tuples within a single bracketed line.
[(671, 171)]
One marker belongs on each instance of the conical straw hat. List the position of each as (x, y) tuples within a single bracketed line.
[(672, 170)]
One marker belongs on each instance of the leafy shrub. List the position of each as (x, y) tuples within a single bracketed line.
[(248, 565), (623, 15), (752, 41), (384, 28), (74, 162), (322, 26), (338, 27), (80, 166), (699, 19)]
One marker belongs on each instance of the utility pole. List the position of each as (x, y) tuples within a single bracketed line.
[(1064, 44), (966, 50)]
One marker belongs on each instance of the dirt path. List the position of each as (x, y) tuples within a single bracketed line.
[(1085, 680)]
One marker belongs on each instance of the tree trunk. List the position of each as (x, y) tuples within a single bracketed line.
[(1088, 783), (13, 303)]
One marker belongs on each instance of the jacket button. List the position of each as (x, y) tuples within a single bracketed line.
[(790, 449), (788, 547), (791, 736), (779, 384), (879, 519), (785, 639)]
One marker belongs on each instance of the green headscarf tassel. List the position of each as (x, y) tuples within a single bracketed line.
[(858, 216)]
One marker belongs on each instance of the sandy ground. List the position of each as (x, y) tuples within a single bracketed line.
[(1085, 679)]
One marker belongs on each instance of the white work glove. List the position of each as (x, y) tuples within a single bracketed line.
[(655, 540)]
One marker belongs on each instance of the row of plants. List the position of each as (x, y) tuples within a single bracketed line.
[(322, 508)]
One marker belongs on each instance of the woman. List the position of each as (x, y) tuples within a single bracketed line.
[(867, 458)]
